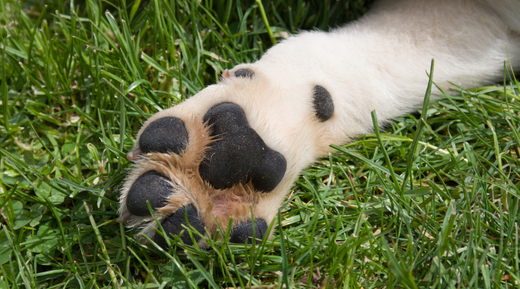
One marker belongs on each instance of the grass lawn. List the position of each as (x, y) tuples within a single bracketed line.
[(430, 201)]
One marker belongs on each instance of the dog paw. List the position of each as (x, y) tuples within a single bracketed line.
[(228, 155)]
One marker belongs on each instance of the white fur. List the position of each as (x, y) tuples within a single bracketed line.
[(376, 63)]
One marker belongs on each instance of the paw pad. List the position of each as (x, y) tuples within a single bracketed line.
[(238, 155), (166, 134), (152, 187), (244, 72), (245, 232), (323, 105), (175, 224), (222, 174)]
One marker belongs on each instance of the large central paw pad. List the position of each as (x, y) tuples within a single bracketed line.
[(238, 154)]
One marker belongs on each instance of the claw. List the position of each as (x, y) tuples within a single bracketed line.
[(124, 217), (226, 73), (132, 156)]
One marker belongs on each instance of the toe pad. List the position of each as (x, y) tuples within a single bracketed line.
[(152, 187), (166, 134), (245, 232), (176, 223)]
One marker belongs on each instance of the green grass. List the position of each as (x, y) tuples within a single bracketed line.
[(431, 201)]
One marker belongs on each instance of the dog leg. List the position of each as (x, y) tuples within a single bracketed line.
[(236, 147)]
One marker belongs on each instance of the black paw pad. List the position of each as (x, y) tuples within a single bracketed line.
[(239, 154), (166, 134), (244, 72), (323, 105), (244, 233), (152, 187), (175, 223)]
